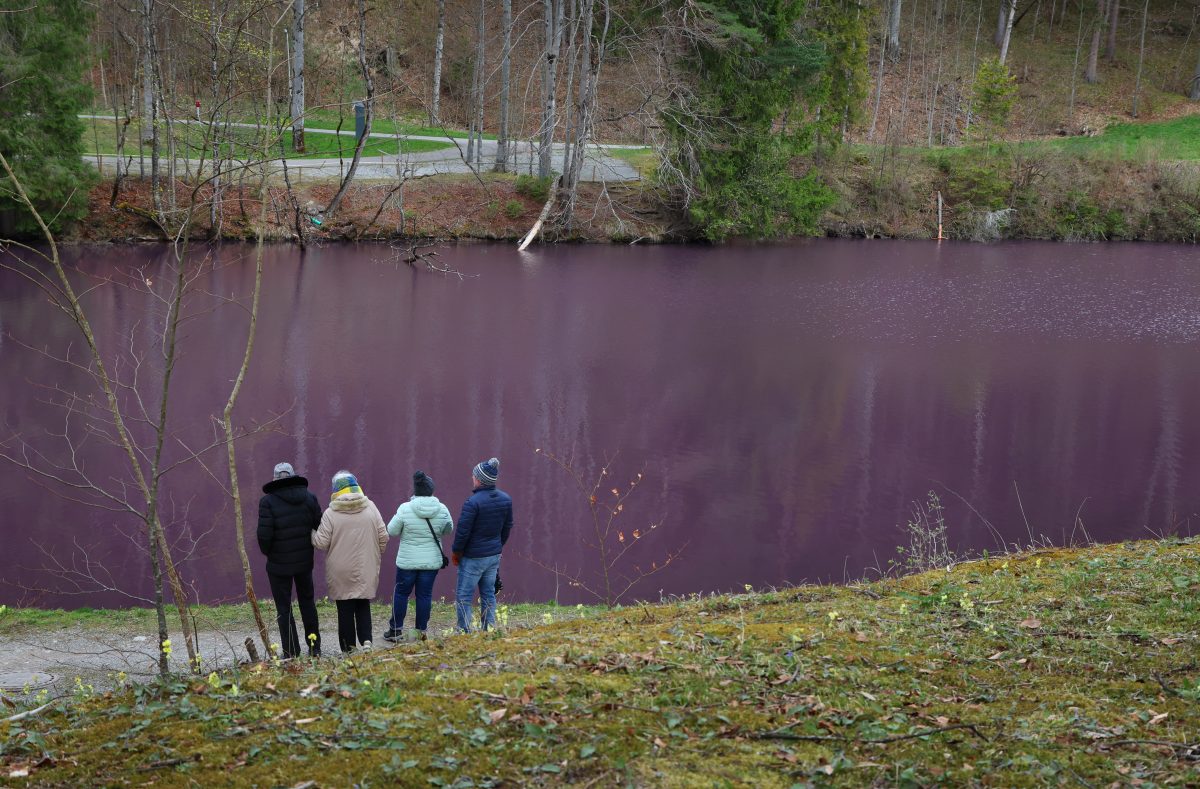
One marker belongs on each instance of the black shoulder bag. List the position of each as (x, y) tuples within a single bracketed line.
[(445, 558)]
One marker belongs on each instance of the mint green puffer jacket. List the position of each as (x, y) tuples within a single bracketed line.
[(418, 551)]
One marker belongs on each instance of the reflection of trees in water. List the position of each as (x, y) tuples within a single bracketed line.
[(1168, 454)]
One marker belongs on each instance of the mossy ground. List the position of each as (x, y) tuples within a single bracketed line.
[(1059, 667)]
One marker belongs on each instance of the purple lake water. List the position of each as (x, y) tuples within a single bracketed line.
[(786, 405)]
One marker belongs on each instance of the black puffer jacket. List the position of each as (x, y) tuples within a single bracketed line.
[(287, 517)]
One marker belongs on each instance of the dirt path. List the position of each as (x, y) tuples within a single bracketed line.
[(98, 654)]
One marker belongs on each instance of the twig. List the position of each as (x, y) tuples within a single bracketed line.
[(1179, 746), (27, 713), (1167, 688), (779, 734)]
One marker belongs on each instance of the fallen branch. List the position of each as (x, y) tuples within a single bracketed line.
[(537, 226), (26, 714), (1192, 751), (779, 734)]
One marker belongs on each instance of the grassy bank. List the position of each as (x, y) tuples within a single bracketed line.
[(1057, 667), (1014, 191)]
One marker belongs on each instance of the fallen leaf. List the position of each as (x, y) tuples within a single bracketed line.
[(998, 655), (868, 696), (659, 743), (1171, 641), (942, 720), (1033, 623), (1157, 719), (497, 715)]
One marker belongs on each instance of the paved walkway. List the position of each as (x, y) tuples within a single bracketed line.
[(599, 165)]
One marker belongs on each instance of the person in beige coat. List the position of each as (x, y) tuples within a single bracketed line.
[(353, 533)]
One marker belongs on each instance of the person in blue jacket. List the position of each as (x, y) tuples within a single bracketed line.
[(479, 536)]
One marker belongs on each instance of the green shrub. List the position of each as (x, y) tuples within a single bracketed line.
[(982, 185), (513, 209), (534, 187)]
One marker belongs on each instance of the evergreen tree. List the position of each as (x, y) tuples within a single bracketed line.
[(760, 79), (43, 52)]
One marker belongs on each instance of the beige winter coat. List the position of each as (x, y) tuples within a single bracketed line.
[(354, 534)]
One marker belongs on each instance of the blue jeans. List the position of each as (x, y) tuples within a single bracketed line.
[(474, 573), (406, 580)]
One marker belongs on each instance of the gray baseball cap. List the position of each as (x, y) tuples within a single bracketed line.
[(284, 470)]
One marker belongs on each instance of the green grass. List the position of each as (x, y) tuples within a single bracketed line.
[(644, 160), (328, 119), (1060, 667), (17, 621), (1177, 139), (102, 138)]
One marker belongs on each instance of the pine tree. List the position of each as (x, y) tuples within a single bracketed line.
[(43, 51)]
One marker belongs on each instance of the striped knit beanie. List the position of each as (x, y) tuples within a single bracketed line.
[(487, 471)]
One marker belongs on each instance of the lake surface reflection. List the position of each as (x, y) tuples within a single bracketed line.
[(785, 404)]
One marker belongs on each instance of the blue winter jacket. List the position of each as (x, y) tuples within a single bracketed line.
[(484, 524)]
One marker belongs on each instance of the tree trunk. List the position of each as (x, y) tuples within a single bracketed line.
[(1194, 88), (1012, 10), (364, 68), (552, 34), (1114, 15), (893, 36), (480, 92), (1137, 88), (227, 423), (570, 57), (150, 104), (435, 118), (883, 54), (1090, 76), (297, 107), (1075, 66), (505, 68), (1002, 22)]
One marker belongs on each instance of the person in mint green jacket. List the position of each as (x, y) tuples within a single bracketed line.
[(420, 524)]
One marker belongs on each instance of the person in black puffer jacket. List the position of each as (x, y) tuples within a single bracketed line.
[(287, 516)]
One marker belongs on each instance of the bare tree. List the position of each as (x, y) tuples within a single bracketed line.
[(110, 419), (150, 103), (1090, 76), (1194, 86), (552, 13), (478, 81), (502, 141), (1137, 89), (435, 117), (298, 12), (1114, 16), (893, 34), (1008, 26), (605, 535), (365, 69)]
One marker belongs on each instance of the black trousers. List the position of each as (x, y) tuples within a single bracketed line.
[(281, 590), (354, 623)]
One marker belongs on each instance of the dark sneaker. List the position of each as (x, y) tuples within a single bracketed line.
[(393, 635)]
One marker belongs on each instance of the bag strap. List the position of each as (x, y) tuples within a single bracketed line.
[(429, 523)]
